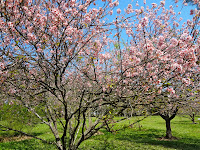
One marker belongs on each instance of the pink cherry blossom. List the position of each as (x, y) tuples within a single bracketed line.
[(174, 42), (118, 10), (159, 91), (74, 53), (31, 36), (171, 90), (154, 5)]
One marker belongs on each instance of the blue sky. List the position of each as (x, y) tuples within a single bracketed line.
[(185, 10)]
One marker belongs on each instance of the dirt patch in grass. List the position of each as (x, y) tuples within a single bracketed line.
[(99, 133), (166, 139), (15, 138)]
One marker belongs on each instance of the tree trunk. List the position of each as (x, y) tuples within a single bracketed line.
[(90, 120), (168, 129), (168, 119), (193, 118)]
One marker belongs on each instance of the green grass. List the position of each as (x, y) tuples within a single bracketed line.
[(135, 138)]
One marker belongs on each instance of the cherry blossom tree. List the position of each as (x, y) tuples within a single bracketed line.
[(192, 107), (53, 62), (58, 56), (160, 59), (191, 111)]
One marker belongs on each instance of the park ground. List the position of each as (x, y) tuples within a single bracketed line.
[(145, 135)]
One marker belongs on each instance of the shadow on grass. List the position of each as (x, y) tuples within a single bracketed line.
[(17, 134), (152, 136), (123, 140), (26, 145), (182, 122)]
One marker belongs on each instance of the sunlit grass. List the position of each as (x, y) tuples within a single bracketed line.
[(142, 136), (146, 134)]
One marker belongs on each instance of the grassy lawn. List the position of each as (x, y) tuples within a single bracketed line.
[(142, 136)]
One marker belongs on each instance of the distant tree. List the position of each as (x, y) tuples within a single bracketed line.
[(192, 107), (191, 111)]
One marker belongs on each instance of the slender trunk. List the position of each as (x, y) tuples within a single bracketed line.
[(72, 148), (59, 145), (168, 129), (90, 120), (193, 118)]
